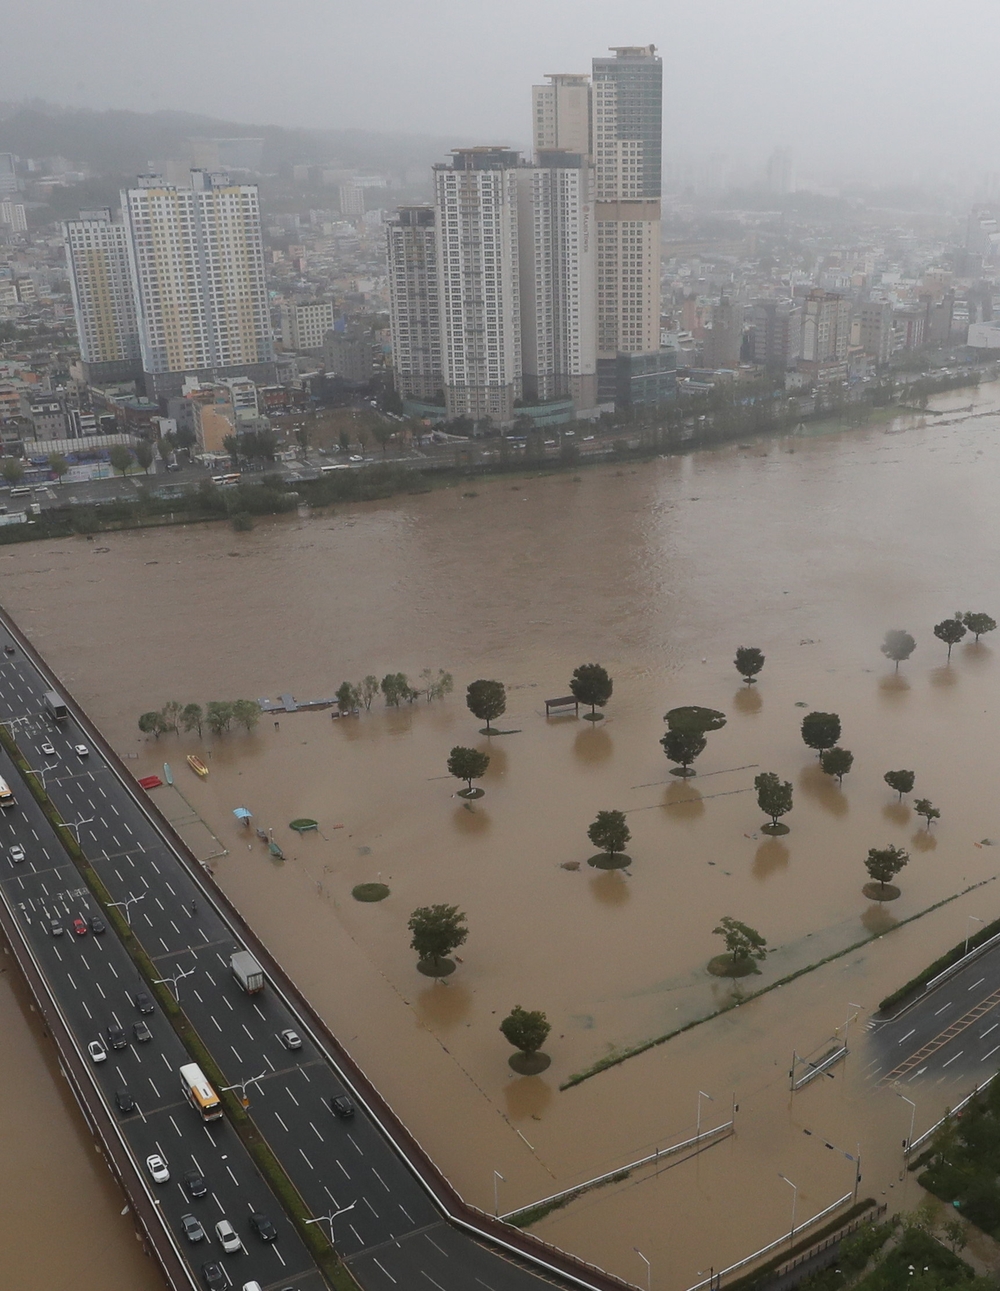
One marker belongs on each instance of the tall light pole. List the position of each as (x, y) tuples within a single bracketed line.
[(856, 1158), (971, 918), (328, 1219), (795, 1197), (850, 1019), (701, 1095), (75, 825), (913, 1113), (126, 903), (496, 1196), (649, 1267), (177, 978), (241, 1085)]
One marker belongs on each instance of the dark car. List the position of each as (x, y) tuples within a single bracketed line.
[(117, 1038), (97, 924), (124, 1101), (342, 1107), (213, 1275), (143, 1003), (263, 1227), (141, 1032), (193, 1230), (55, 928), (194, 1184)]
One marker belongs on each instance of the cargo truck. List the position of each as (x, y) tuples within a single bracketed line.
[(55, 706), (247, 971)]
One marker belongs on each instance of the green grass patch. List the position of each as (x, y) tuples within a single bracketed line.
[(533, 1214), (964, 1170), (370, 892)]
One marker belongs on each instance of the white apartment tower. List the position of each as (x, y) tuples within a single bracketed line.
[(627, 99), (100, 282), (477, 249), (560, 113), (197, 263), (414, 309), (557, 266)]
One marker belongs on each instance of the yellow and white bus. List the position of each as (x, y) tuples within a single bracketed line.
[(6, 797), (200, 1093)]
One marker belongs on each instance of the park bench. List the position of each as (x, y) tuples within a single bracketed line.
[(563, 701)]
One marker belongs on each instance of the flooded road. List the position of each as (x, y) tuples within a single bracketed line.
[(810, 548)]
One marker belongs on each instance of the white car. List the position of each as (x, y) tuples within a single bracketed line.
[(228, 1237), (81, 750), (17, 853), (291, 1040), (97, 1051), (49, 749), (157, 1167)]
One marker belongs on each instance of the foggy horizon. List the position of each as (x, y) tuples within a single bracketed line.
[(898, 93)]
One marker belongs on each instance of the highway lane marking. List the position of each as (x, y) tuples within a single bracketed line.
[(351, 1137), (226, 1002), (346, 1175), (303, 1070), (281, 1123), (358, 1236), (165, 883), (905, 1037), (209, 976), (428, 1276), (305, 1159), (484, 1284), (375, 1212), (989, 1029), (381, 1180), (951, 1060), (175, 928), (384, 1269), (91, 1016), (291, 1096), (405, 1212), (269, 1062), (217, 1027), (260, 1011), (170, 1118), (205, 937), (167, 1061), (155, 1090), (115, 810), (280, 1256), (164, 945), (197, 996), (101, 792), (159, 903), (234, 1179), (126, 824), (990, 1054), (98, 985), (147, 918), (435, 1245), (975, 984), (71, 982), (112, 967), (336, 1204), (142, 878), (944, 1006), (316, 1132), (238, 1058), (249, 1033)]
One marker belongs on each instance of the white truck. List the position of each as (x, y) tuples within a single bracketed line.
[(247, 971)]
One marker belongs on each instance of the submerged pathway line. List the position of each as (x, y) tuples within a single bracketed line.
[(614, 1059)]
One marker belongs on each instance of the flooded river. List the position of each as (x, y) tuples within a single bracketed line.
[(808, 547)]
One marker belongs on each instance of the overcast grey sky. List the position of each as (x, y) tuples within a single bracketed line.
[(912, 84)]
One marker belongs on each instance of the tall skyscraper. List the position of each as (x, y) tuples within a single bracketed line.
[(627, 126), (560, 113), (414, 302), (557, 266), (197, 264), (477, 249), (103, 298), (9, 183), (777, 334)]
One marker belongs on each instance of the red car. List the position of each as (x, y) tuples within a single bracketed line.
[(80, 926)]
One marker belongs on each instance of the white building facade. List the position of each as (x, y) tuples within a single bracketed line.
[(414, 302), (100, 281)]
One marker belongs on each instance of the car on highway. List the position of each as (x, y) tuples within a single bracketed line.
[(55, 928), (48, 748), (97, 1051), (213, 1276), (290, 1040), (17, 853), (141, 1032), (263, 1227), (117, 1038), (229, 1238), (251, 1286), (193, 1230), (97, 925), (355, 457), (81, 750), (142, 1002), (124, 1101), (342, 1107), (194, 1184), (80, 926), (157, 1167)]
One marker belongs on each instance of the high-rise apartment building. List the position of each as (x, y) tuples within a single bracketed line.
[(826, 327), (477, 250), (561, 113), (724, 337), (627, 96), (305, 323), (557, 259), (100, 281), (777, 334), (197, 263), (875, 330), (9, 183), (414, 302), (13, 216)]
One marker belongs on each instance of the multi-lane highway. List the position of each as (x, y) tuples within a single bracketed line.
[(390, 1229)]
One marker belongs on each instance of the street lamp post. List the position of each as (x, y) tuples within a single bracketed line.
[(701, 1095), (971, 918), (496, 1196), (795, 1197), (241, 1085), (177, 977), (328, 1219), (913, 1113), (847, 1024), (649, 1267), (855, 1158), (126, 903), (75, 825)]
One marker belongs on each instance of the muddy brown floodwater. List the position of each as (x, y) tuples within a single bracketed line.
[(808, 547)]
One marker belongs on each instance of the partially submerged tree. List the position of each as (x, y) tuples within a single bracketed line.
[(590, 684), (774, 798), (924, 807), (368, 689), (837, 761), (743, 943), (950, 631), (683, 747), (437, 931), (192, 718), (468, 765), (749, 661), (978, 623), (525, 1029), (396, 687), (246, 713), (901, 781), (152, 723), (172, 714), (347, 698), (820, 730), (218, 715), (439, 686), (693, 719), (884, 863), (898, 646), (487, 700), (610, 832)]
